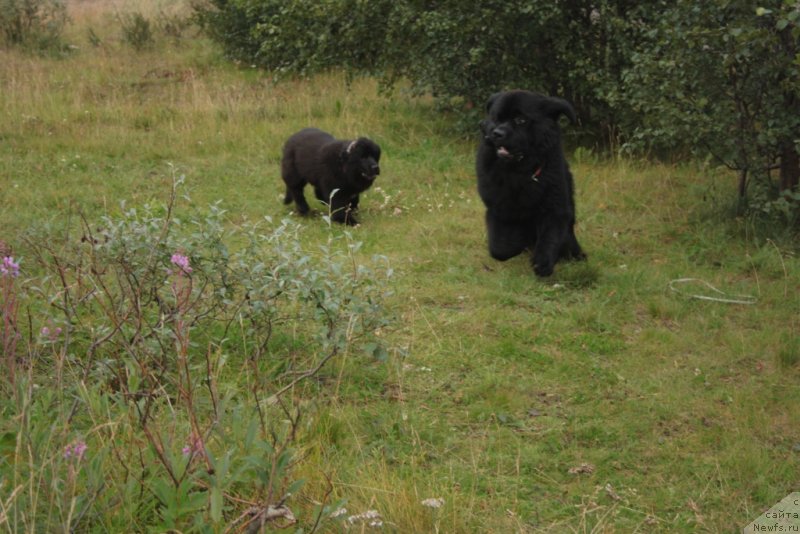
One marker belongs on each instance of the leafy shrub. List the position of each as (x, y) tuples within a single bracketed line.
[(229, 23), (299, 36), (722, 80), (668, 77), (137, 31), (465, 51), (171, 370), (33, 24), (460, 51)]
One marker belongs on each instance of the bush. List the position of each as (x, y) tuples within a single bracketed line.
[(463, 52), (299, 36), (459, 51), (230, 23), (137, 31), (33, 24), (666, 77), (160, 374), (723, 80)]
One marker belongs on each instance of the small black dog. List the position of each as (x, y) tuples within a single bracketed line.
[(338, 170), (524, 180)]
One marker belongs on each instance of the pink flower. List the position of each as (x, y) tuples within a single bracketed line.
[(194, 446), (75, 450), (182, 262), (8, 267), (50, 335)]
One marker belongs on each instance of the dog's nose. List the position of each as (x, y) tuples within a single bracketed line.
[(376, 169), (498, 134)]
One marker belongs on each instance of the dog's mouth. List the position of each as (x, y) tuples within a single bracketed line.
[(369, 177), (503, 152)]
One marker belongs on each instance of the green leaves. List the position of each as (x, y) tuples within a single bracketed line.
[(377, 351), (300, 36), (178, 504), (159, 306), (732, 92)]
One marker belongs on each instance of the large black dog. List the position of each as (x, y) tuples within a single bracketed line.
[(524, 180), (337, 170)]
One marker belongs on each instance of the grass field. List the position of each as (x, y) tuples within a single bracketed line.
[(602, 399)]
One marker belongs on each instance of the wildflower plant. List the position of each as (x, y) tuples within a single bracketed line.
[(9, 333), (9, 268), (154, 307), (75, 451)]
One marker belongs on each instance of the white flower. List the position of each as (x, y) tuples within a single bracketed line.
[(371, 517), (433, 502)]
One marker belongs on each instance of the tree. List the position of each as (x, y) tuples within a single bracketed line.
[(723, 78)]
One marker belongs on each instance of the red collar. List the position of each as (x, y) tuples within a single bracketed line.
[(536, 174)]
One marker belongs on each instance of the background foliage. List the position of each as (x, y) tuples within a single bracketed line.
[(33, 24), (670, 77), (724, 79)]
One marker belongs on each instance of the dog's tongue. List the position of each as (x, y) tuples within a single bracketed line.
[(503, 152)]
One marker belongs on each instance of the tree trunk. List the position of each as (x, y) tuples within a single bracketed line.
[(790, 162), (742, 183), (790, 168)]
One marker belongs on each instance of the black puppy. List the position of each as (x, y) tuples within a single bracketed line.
[(524, 180), (338, 170)]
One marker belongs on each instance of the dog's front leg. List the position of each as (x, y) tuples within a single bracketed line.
[(548, 243), (341, 210)]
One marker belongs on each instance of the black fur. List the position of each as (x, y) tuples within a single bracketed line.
[(314, 157), (524, 180)]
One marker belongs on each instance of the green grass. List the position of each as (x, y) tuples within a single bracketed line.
[(686, 410)]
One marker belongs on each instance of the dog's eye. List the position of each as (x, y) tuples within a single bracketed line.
[(520, 121)]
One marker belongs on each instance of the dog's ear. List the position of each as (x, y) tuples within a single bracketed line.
[(491, 101), (347, 149), (555, 107)]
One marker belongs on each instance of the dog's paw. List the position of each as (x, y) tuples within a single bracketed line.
[(543, 270)]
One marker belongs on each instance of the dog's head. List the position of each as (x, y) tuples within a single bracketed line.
[(360, 160), (522, 124)]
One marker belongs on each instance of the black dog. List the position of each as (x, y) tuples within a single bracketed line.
[(524, 180), (338, 170)]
